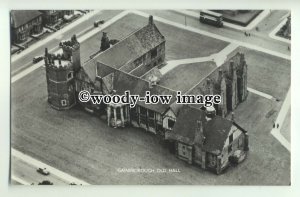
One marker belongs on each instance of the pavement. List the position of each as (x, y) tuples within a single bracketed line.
[(24, 171), (279, 120)]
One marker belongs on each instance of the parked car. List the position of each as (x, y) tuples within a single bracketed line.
[(37, 59), (45, 182), (43, 171), (98, 22)]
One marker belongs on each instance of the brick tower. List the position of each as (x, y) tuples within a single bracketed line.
[(60, 81), (71, 51)]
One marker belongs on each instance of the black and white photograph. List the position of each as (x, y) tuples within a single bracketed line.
[(123, 96), (241, 55)]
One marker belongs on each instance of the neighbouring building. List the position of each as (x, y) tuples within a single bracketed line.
[(25, 23), (51, 17), (132, 64)]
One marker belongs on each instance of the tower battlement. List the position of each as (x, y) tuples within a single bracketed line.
[(71, 51), (60, 81)]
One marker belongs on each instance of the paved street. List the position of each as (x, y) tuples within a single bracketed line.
[(19, 63), (82, 146)]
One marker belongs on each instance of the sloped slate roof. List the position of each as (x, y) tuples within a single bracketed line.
[(21, 17), (103, 70), (186, 124), (90, 69), (215, 131), (137, 86), (132, 47)]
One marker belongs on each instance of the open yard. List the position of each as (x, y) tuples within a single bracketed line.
[(185, 76)]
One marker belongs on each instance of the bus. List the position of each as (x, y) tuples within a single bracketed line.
[(211, 18)]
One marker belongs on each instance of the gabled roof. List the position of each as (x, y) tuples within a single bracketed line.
[(103, 70), (132, 47), (215, 130), (21, 17), (186, 124)]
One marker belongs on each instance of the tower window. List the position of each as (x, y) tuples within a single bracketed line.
[(70, 75), (63, 102)]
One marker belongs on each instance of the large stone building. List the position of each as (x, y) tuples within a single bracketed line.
[(133, 64), (25, 23)]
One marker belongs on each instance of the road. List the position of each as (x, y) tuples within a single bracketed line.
[(26, 60)]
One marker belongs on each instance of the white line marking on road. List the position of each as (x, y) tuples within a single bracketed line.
[(19, 180), (39, 164), (80, 39), (26, 71), (280, 118), (55, 35), (267, 96), (209, 34)]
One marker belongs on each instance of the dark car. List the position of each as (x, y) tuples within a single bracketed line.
[(99, 22), (37, 59), (43, 171), (45, 182)]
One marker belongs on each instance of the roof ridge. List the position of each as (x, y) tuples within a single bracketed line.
[(121, 40)]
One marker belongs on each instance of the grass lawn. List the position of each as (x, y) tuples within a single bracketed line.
[(180, 43), (185, 76)]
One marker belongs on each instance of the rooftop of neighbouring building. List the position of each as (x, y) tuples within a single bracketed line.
[(21, 17)]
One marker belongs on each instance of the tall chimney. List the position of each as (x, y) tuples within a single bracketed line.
[(150, 20), (232, 116)]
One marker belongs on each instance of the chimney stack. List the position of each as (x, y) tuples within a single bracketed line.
[(150, 20)]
